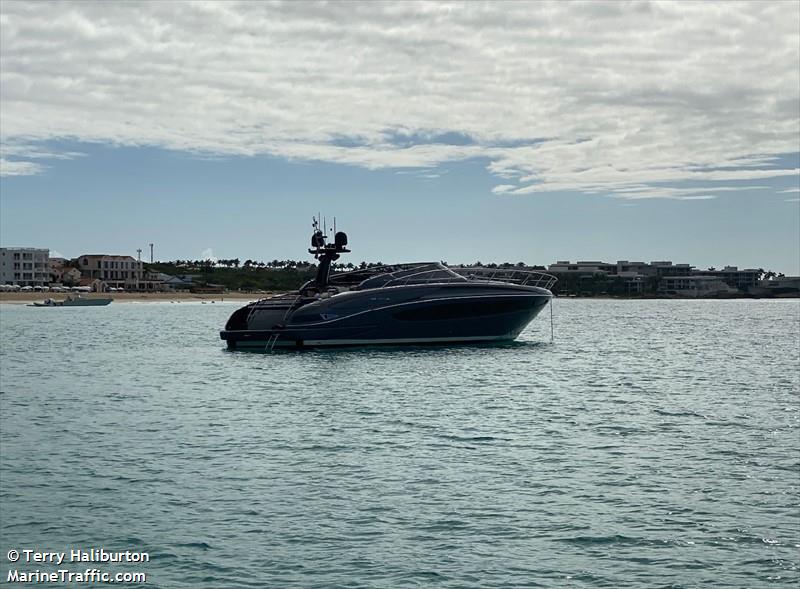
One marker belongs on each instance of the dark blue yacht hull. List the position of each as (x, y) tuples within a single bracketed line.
[(445, 314)]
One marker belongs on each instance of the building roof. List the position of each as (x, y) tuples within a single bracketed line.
[(107, 256)]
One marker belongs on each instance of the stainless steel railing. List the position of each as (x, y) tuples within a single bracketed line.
[(482, 274), (512, 275)]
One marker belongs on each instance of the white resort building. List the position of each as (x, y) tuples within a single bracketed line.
[(25, 266)]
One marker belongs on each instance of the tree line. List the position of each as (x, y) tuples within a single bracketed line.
[(284, 264)]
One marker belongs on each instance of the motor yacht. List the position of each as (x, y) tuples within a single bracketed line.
[(416, 303)]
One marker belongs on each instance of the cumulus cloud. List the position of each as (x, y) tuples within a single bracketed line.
[(601, 98)]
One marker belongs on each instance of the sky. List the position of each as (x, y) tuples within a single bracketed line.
[(461, 132)]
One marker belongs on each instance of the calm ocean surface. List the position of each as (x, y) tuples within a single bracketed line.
[(655, 444)]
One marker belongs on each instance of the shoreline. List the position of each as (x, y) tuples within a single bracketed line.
[(24, 298)]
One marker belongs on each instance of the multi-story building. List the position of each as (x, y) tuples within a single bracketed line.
[(114, 271), (667, 268), (632, 274), (742, 279), (695, 286), (25, 266), (581, 268), (621, 268)]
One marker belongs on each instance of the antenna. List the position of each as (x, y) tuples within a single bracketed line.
[(334, 225), (324, 225)]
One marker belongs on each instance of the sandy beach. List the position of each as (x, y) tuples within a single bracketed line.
[(22, 298)]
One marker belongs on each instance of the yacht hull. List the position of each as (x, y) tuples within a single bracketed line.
[(406, 315)]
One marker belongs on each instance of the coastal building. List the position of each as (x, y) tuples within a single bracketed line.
[(620, 268), (667, 268), (152, 281), (695, 286), (61, 273), (55, 268), (581, 268), (632, 274), (779, 286), (180, 282), (68, 276), (115, 271), (744, 279), (25, 266)]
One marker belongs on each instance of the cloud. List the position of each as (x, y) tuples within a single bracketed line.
[(789, 191), (503, 188), (21, 153), (208, 254), (599, 98), (19, 168)]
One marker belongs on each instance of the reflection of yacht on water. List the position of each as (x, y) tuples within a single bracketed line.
[(418, 303)]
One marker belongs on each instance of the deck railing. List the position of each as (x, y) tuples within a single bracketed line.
[(512, 275), (429, 276), (481, 274)]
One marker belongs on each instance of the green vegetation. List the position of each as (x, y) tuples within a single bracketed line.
[(246, 278), (253, 275)]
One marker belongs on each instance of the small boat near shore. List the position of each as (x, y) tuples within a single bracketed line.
[(74, 301)]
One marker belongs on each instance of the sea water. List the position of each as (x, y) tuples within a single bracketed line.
[(653, 444)]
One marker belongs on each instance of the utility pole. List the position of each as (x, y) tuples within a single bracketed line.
[(151, 253), (138, 266)]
